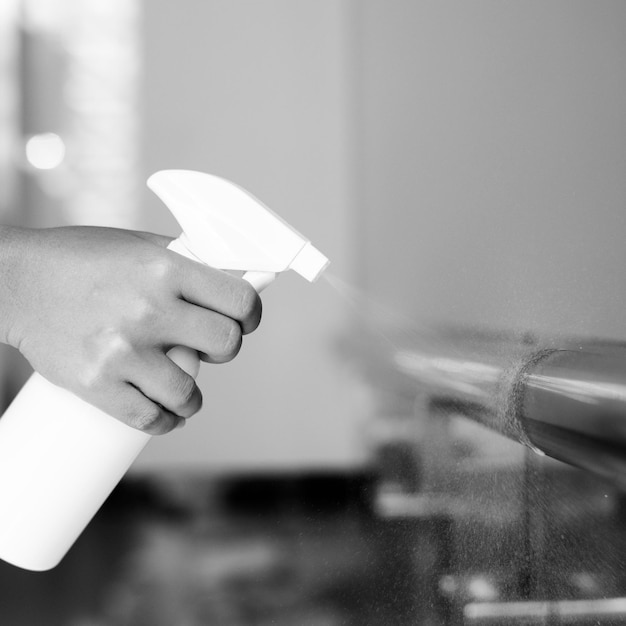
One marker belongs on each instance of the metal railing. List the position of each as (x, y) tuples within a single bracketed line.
[(566, 400)]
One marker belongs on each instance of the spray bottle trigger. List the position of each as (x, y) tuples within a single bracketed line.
[(260, 280), (186, 358)]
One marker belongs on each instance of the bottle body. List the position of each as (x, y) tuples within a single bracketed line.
[(60, 458)]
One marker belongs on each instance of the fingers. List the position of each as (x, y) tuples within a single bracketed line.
[(132, 407), (220, 292), (151, 418), (217, 338), (163, 382), (149, 392)]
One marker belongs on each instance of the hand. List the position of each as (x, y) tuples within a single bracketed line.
[(95, 310)]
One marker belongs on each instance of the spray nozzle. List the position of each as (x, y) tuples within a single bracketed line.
[(228, 228)]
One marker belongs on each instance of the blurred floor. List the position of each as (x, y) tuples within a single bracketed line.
[(303, 551), (310, 551)]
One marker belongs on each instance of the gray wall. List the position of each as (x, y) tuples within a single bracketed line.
[(493, 162), (258, 92)]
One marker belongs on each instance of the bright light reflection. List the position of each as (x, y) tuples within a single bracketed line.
[(482, 589), (463, 376), (590, 392), (45, 151)]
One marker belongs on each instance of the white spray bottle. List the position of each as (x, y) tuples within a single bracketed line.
[(60, 457)]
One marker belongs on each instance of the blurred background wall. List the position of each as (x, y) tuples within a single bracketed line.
[(260, 93), (492, 156), (459, 162)]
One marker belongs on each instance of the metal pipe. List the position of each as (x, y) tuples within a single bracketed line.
[(567, 401)]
